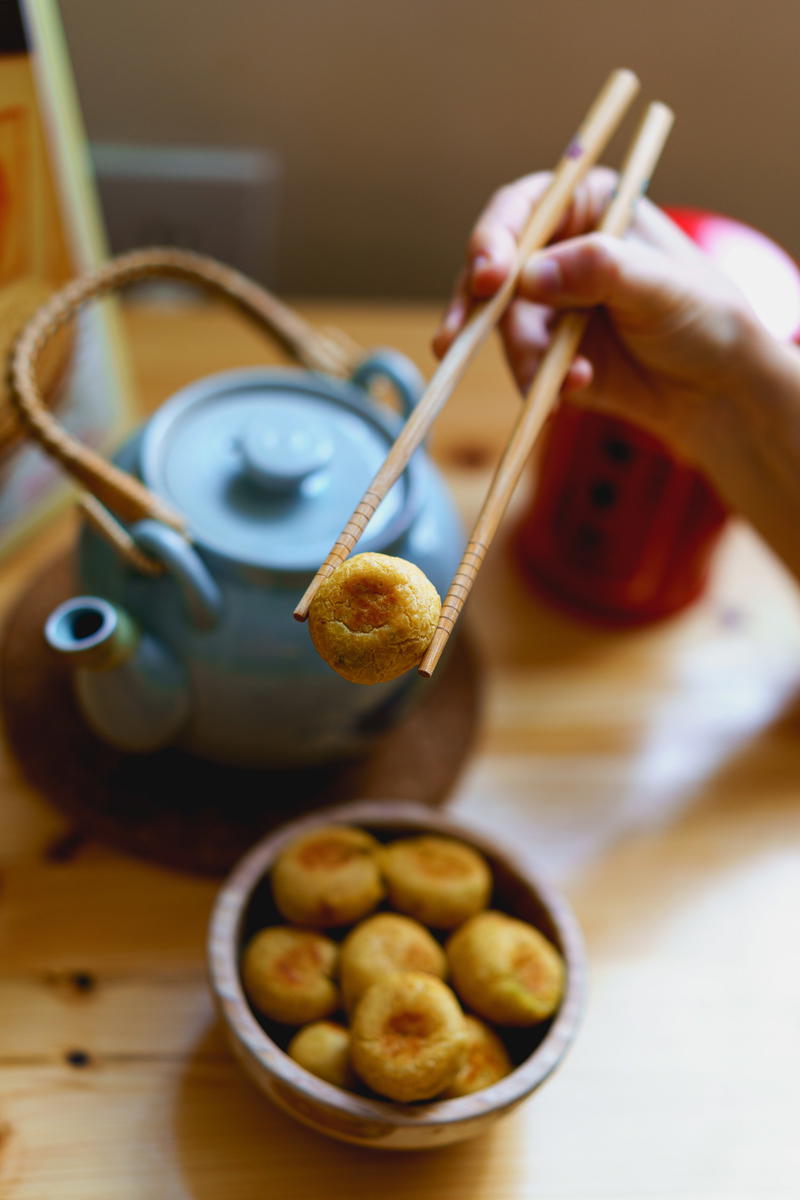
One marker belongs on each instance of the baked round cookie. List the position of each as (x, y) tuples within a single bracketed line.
[(487, 1061), (382, 944), (438, 880), (323, 1048), (374, 617), (409, 1039), (288, 974), (505, 969), (328, 877)]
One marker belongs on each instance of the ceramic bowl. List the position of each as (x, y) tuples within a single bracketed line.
[(245, 904)]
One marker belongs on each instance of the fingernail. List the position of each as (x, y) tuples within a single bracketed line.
[(445, 326), (481, 263), (541, 277), (524, 372), (444, 333)]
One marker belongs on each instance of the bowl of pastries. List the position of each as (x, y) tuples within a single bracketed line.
[(391, 976)]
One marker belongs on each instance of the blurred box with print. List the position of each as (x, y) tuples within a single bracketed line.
[(50, 231)]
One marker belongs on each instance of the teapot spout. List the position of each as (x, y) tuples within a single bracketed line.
[(132, 691)]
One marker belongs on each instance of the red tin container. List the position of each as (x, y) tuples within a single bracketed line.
[(618, 532)]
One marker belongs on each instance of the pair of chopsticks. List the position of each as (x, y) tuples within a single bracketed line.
[(582, 153)]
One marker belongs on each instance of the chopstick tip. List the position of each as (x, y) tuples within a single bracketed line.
[(434, 652), (623, 80), (665, 112)]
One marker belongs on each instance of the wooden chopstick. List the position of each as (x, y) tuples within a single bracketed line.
[(582, 152), (634, 178)]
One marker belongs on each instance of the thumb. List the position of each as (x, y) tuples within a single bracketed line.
[(629, 279)]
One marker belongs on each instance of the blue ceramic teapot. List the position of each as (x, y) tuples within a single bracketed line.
[(188, 639)]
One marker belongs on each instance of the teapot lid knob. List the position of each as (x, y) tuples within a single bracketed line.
[(278, 453), (265, 464)]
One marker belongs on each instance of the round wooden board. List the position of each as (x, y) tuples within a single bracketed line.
[(185, 812)]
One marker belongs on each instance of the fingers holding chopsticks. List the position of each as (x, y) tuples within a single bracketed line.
[(582, 151), (493, 244), (639, 280), (491, 253), (640, 161), (526, 330)]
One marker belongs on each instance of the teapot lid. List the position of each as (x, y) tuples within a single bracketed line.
[(267, 465)]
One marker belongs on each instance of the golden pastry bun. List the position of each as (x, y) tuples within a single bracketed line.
[(328, 877), (409, 1037), (323, 1048), (487, 1061), (438, 880), (381, 945), (288, 974), (505, 969), (374, 617)]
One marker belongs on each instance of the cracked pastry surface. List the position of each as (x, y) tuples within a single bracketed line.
[(288, 974), (505, 969), (328, 877), (409, 1037), (374, 617)]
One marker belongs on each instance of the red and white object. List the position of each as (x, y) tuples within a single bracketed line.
[(618, 532)]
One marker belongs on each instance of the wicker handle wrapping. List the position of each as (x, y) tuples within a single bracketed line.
[(117, 491)]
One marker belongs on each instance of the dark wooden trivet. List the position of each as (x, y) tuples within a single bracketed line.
[(184, 812)]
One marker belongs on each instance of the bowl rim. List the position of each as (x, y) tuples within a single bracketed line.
[(234, 1008)]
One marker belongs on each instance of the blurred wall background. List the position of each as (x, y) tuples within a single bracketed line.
[(394, 121)]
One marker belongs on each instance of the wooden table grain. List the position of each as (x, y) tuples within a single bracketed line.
[(655, 775)]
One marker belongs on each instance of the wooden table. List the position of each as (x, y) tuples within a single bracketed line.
[(655, 774)]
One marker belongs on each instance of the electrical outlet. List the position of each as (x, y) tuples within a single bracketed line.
[(221, 202)]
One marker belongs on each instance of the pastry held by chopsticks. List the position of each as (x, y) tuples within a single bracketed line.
[(373, 618), (582, 152), (639, 164)]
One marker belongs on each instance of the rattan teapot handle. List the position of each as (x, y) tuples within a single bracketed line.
[(124, 495)]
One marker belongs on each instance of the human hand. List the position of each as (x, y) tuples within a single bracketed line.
[(670, 336)]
